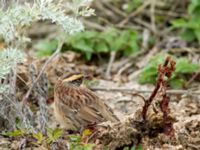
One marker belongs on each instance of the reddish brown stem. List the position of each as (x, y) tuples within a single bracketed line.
[(161, 73)]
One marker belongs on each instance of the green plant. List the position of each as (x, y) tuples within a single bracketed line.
[(9, 57), (191, 24), (93, 42), (39, 137), (53, 134), (15, 133), (183, 67), (75, 143), (14, 20), (46, 47)]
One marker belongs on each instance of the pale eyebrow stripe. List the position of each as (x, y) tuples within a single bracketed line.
[(73, 78)]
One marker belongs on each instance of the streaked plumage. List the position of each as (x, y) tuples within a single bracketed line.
[(76, 106)]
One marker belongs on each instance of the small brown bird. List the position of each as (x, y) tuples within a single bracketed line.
[(76, 106)]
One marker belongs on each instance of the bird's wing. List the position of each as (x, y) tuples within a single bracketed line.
[(93, 108), (90, 114), (85, 107)]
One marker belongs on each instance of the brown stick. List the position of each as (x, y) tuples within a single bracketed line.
[(135, 13), (192, 79), (121, 89), (42, 71)]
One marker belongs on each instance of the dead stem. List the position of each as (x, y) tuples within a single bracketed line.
[(112, 58), (42, 71), (129, 90)]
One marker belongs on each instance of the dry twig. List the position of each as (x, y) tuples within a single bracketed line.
[(42, 71), (131, 90), (135, 13), (112, 58)]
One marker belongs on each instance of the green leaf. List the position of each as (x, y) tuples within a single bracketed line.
[(15, 133), (43, 53), (193, 5), (185, 24), (84, 45), (191, 25), (188, 35), (126, 148), (179, 23), (149, 73), (39, 137), (131, 47), (88, 56), (139, 147), (83, 35), (109, 36), (136, 147), (184, 66), (145, 78), (77, 146), (88, 146), (193, 8), (46, 48), (197, 33), (53, 134), (89, 34), (101, 47), (177, 83), (74, 138), (119, 41)]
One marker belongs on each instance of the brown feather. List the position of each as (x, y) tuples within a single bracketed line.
[(81, 106)]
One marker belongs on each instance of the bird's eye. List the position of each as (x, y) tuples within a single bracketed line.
[(77, 82)]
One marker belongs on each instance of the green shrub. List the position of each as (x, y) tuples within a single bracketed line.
[(92, 42), (183, 67), (46, 47), (191, 25)]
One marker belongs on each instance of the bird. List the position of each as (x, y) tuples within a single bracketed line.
[(76, 106)]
